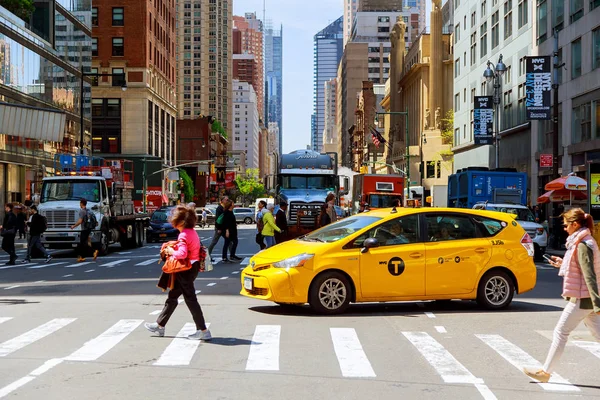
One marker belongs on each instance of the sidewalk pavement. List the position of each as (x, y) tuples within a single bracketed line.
[(555, 252)]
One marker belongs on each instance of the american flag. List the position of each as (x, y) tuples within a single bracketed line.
[(377, 138)]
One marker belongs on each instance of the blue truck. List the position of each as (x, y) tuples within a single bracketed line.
[(473, 185)]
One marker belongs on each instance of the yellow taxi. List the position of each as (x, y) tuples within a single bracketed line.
[(403, 254)]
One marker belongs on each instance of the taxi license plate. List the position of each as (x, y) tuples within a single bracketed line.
[(248, 283), (163, 235)]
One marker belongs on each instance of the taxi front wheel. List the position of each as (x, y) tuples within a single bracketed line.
[(496, 290), (330, 293)]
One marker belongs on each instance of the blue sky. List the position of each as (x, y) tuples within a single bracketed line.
[(301, 20)]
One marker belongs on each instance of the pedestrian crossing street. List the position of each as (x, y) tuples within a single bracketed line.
[(354, 349)]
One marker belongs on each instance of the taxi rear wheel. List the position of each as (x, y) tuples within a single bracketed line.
[(496, 290), (330, 293)]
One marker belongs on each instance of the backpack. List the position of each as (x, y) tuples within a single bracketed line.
[(90, 222)]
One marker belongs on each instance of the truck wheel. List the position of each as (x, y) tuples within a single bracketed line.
[(102, 247)]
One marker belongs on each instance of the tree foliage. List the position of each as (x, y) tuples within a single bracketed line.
[(21, 8), (217, 127), (448, 127), (250, 186), (188, 186)]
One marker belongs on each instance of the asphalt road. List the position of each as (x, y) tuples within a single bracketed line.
[(70, 330)]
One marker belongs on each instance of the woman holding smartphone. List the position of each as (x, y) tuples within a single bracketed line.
[(580, 269)]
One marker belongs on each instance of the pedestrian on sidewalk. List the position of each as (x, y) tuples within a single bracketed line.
[(230, 233), (580, 269), (21, 218), (260, 224), (8, 231), (281, 222), (83, 249), (37, 226), (217, 235), (184, 220), (270, 227)]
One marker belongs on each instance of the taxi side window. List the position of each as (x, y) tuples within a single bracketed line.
[(450, 227), (488, 227), (398, 231)]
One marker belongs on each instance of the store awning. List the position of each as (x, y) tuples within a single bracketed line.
[(32, 123)]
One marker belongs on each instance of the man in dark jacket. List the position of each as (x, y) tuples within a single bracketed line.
[(37, 226), (8, 229), (281, 222), (218, 230)]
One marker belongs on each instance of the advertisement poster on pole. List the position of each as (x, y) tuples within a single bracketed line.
[(538, 84), (483, 117), (595, 191)]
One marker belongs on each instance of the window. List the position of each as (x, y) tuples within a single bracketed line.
[(594, 4), (456, 102), (483, 7), (383, 29), (558, 14), (94, 16), (118, 50), (94, 78), (398, 231), (443, 227), (117, 16), (507, 19), (522, 14), (473, 47), (495, 29), (456, 33), (542, 21), (383, 19), (456, 135), (483, 40), (582, 123), (118, 78), (430, 170), (457, 67), (595, 48), (521, 110), (576, 58), (94, 47), (576, 10)]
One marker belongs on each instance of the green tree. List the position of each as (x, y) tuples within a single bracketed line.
[(217, 127), (250, 186), (188, 186), (21, 8)]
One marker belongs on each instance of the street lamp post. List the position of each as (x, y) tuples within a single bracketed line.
[(81, 102), (406, 141), (495, 74)]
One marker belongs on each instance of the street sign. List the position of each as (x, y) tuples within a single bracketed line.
[(546, 160), (483, 116)]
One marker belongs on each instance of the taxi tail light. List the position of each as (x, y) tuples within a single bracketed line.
[(528, 244)]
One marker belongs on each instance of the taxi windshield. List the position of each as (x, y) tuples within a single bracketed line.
[(340, 229)]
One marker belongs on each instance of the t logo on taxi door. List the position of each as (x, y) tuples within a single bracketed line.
[(396, 266)]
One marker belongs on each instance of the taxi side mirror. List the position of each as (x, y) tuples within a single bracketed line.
[(369, 243)]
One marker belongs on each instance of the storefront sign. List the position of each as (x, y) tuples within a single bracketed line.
[(154, 199), (546, 160), (595, 192), (483, 117), (538, 83)]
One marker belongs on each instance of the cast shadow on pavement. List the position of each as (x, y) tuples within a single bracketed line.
[(406, 309), (219, 341), (14, 302), (573, 384)]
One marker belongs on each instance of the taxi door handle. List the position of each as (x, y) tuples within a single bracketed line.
[(416, 255), (480, 250)]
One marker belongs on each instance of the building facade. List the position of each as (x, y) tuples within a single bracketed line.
[(483, 31), (41, 67), (246, 127), (204, 60), (328, 49), (350, 8), (330, 133), (248, 60), (274, 79), (579, 90)]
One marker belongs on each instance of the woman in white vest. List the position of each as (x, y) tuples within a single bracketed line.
[(580, 269)]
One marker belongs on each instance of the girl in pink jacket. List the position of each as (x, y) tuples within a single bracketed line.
[(580, 269)]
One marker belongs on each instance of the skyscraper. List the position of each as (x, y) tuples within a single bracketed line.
[(274, 79), (328, 49), (204, 61), (248, 63), (350, 8)]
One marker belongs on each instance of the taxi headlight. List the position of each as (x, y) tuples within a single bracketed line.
[(292, 262)]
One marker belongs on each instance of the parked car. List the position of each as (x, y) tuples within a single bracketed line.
[(210, 216), (245, 215), (404, 254), (160, 227)]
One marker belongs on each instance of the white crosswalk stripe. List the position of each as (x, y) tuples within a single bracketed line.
[(113, 264), (520, 359), (33, 335), (592, 347), (77, 265), (181, 349), (147, 262), (353, 360), (95, 348), (46, 265), (264, 350), (4, 319)]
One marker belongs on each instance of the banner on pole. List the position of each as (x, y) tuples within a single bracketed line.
[(483, 117), (538, 84)]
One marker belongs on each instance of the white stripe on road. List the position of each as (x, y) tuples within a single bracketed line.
[(67, 275), (225, 277), (6, 390), (155, 312), (430, 315), (89, 270), (264, 350), (245, 261), (33, 335), (12, 287), (114, 263), (444, 363), (42, 281), (235, 272), (76, 265), (4, 319), (95, 348), (440, 329), (147, 262), (211, 284), (10, 266), (181, 349), (592, 347), (47, 265), (351, 357), (519, 359), (124, 252)]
